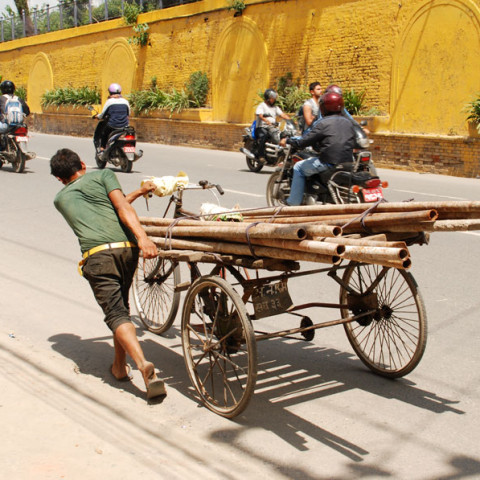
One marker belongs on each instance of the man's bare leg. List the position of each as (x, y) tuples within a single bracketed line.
[(126, 342)]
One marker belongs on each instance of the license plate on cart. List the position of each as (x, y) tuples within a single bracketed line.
[(271, 299), (21, 139), (372, 194), (129, 149)]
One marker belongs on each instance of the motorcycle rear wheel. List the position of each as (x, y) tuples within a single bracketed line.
[(100, 163), (277, 191), (19, 162), (127, 165), (254, 164)]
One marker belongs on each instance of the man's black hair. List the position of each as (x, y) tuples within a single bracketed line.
[(65, 163), (313, 85)]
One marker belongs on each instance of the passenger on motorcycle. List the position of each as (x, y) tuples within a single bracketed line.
[(267, 113), (8, 93), (333, 138), (115, 111), (311, 108)]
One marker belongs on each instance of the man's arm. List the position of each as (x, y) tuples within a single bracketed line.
[(308, 114), (142, 191), (25, 107), (129, 218)]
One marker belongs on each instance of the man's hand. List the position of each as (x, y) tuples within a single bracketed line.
[(148, 248), (147, 187), (283, 142)]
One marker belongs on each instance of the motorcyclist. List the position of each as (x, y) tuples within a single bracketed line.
[(267, 113), (333, 138), (7, 88), (115, 112)]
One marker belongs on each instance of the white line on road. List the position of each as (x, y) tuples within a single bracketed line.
[(429, 194), (244, 193)]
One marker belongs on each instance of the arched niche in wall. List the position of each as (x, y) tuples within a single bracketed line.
[(436, 68), (120, 67), (240, 69), (40, 79)]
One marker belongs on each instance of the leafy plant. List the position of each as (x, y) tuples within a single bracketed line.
[(197, 89), (354, 101), (141, 36), (237, 5), (75, 97), (21, 92), (193, 95), (131, 12), (473, 110)]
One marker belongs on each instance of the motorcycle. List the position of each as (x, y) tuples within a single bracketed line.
[(273, 153), (354, 182), (120, 150), (14, 147)]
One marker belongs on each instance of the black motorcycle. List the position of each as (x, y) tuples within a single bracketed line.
[(353, 182), (120, 150), (13, 147), (273, 153)]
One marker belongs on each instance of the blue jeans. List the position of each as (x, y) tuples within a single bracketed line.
[(301, 170)]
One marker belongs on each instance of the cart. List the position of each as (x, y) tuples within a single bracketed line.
[(380, 309)]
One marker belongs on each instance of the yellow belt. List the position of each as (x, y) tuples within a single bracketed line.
[(99, 248)]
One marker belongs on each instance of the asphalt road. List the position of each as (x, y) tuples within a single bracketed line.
[(317, 412)]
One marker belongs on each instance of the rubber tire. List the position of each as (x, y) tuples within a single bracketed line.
[(100, 163), (205, 348), (271, 185), (253, 164), (19, 164), (386, 329), (156, 302)]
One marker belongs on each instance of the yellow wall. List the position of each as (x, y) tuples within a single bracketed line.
[(417, 59)]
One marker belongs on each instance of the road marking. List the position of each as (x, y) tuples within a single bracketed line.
[(45, 158), (430, 194), (244, 193)]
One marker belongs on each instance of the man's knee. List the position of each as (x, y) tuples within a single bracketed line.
[(114, 322)]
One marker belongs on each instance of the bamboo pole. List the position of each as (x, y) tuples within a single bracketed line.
[(322, 248), (370, 219), (362, 241), (437, 226), (323, 230), (441, 207), (239, 249), (232, 234)]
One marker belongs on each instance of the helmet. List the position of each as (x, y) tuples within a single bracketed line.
[(7, 87), (334, 88), (269, 93), (331, 102), (114, 88)]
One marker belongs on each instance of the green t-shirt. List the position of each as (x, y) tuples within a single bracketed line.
[(85, 205)]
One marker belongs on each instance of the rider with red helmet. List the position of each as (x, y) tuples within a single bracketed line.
[(115, 111), (332, 138)]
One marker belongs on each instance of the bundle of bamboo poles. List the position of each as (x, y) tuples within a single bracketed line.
[(327, 234)]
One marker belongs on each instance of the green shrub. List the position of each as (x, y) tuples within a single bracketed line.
[(21, 92), (130, 13), (354, 101), (473, 110), (197, 89), (75, 97), (237, 5), (193, 95)]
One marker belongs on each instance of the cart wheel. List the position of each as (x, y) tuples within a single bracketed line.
[(392, 340), (219, 346), (154, 293)]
